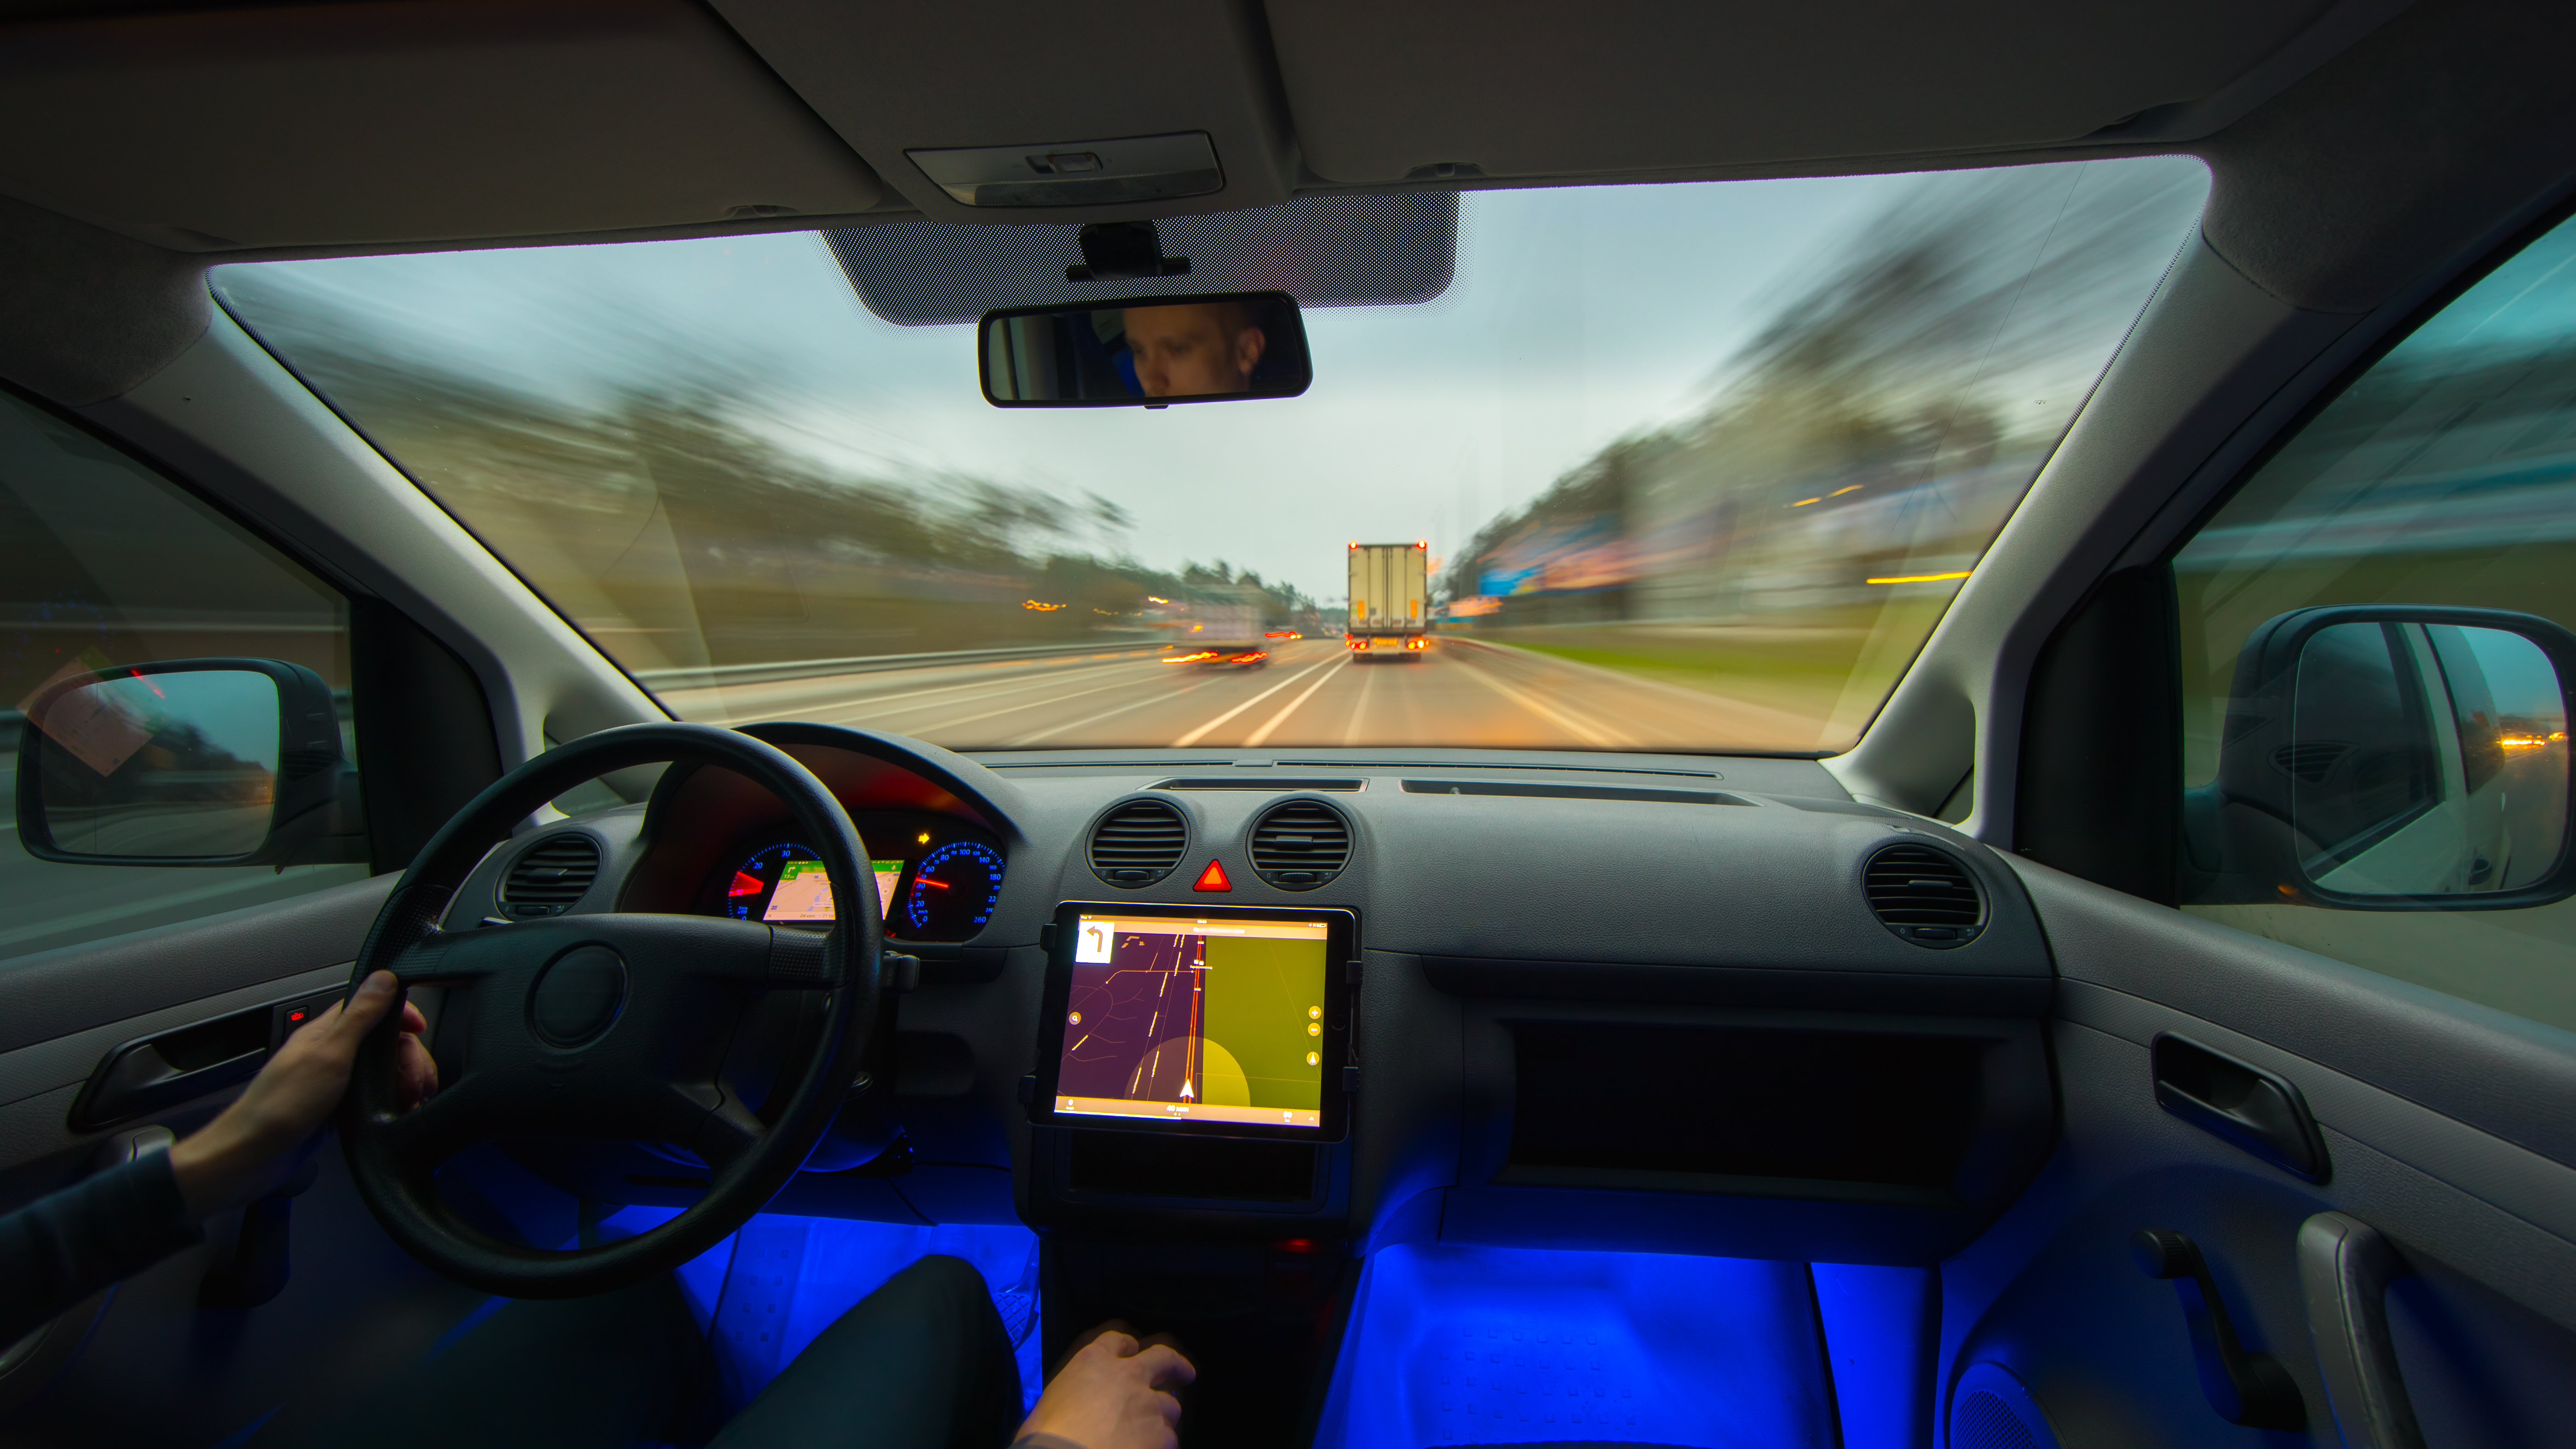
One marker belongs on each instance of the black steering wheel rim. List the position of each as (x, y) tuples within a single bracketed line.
[(665, 969)]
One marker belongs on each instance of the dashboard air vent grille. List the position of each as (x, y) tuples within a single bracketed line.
[(1925, 896), (550, 876), (1138, 843), (1300, 844)]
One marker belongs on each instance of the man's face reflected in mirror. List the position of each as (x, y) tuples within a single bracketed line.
[(1194, 349)]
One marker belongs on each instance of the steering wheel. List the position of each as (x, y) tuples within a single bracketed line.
[(606, 1026)]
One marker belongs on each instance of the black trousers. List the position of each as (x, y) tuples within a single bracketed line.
[(922, 1363)]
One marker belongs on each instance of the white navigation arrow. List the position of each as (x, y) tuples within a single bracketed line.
[(1185, 1091)]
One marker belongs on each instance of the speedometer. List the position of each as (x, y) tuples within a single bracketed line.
[(953, 891)]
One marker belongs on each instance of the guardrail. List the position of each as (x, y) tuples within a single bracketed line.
[(723, 674)]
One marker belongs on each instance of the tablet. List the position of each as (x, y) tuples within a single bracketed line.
[(1230, 1022)]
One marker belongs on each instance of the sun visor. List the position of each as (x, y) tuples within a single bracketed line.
[(1326, 251)]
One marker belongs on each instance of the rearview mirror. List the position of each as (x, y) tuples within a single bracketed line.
[(1145, 352), (186, 762), (2392, 758)]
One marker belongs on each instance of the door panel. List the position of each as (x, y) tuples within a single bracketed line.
[(151, 1366), (2446, 1128), (63, 1011)]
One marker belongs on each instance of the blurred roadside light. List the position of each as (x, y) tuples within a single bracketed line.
[(1917, 578), (1042, 608)]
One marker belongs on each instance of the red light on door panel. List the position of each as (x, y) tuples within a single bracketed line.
[(1213, 879)]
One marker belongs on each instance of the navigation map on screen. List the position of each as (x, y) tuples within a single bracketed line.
[(1206, 1021), (804, 890)]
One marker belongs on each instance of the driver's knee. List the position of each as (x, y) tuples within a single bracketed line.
[(925, 1355), (942, 1304)]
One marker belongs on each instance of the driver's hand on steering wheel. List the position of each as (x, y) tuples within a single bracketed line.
[(268, 1131), (1113, 1392)]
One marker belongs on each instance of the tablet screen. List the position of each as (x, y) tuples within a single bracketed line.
[(1217, 1020)]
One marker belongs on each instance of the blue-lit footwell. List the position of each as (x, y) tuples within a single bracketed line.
[(765, 1293), (1470, 1345)]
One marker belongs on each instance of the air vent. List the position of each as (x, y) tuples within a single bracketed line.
[(1925, 896), (550, 877), (1300, 844), (1138, 843)]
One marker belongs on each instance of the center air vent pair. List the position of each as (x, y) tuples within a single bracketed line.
[(1295, 845)]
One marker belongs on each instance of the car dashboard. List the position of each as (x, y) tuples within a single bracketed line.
[(1663, 1003)]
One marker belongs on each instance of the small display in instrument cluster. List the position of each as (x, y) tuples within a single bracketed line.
[(789, 883), (804, 892)]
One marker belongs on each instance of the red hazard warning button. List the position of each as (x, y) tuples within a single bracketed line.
[(1213, 879)]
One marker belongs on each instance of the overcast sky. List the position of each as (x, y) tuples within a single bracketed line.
[(1577, 315)]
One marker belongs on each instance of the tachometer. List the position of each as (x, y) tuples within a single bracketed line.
[(953, 891)]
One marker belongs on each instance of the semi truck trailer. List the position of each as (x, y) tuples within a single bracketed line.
[(1390, 600)]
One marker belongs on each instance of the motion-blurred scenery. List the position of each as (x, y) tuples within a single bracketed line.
[(1745, 560)]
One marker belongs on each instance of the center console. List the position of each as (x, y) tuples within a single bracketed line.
[(1194, 1060)]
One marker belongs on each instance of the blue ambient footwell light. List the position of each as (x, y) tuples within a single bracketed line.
[(1477, 1345)]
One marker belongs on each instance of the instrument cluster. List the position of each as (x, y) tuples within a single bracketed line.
[(937, 878)]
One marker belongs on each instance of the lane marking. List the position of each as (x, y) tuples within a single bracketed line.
[(869, 701), (1194, 736), (1542, 709), (1276, 720), (1027, 740), (1359, 711), (950, 724)]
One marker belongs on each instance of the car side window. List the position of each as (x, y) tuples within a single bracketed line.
[(103, 563), (2443, 475)]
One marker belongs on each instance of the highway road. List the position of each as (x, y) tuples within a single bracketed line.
[(1312, 693)]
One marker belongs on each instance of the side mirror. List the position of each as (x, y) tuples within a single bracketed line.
[(2392, 757), (186, 762), (1145, 352)]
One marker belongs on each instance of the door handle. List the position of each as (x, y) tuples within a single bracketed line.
[(2258, 1111), (150, 1073), (2344, 1269), (2251, 1389)]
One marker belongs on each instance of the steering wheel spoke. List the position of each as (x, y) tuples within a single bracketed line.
[(455, 1118), (726, 1135), (789, 959), (445, 958)]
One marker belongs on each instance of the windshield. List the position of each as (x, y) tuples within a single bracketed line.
[(1674, 468)]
